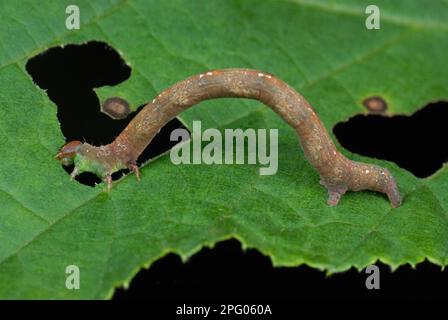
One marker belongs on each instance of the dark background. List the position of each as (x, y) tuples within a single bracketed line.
[(226, 273), (417, 143)]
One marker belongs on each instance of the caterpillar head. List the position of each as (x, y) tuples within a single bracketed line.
[(98, 160), (67, 153)]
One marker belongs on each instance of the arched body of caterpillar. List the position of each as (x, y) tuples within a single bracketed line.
[(337, 173)]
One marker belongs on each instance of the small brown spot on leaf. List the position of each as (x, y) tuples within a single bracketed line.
[(375, 105), (116, 108)]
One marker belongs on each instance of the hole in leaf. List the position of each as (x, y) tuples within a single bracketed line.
[(68, 75), (229, 273), (416, 143)]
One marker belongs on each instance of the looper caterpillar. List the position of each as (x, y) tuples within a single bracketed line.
[(338, 174)]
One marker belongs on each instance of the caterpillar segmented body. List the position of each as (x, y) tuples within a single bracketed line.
[(338, 174)]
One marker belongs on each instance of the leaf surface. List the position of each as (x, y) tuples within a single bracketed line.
[(321, 48)]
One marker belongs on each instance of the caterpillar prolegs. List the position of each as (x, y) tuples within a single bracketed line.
[(338, 174)]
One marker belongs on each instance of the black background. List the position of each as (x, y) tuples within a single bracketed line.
[(227, 273)]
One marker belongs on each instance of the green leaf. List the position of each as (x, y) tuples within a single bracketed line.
[(321, 48)]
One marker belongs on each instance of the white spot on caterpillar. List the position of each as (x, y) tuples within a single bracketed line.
[(201, 75), (121, 146), (103, 151), (153, 100), (209, 73), (261, 74), (367, 171), (268, 76)]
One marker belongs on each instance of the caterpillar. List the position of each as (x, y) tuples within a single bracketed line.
[(338, 174)]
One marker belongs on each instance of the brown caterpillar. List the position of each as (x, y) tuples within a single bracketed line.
[(338, 174)]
